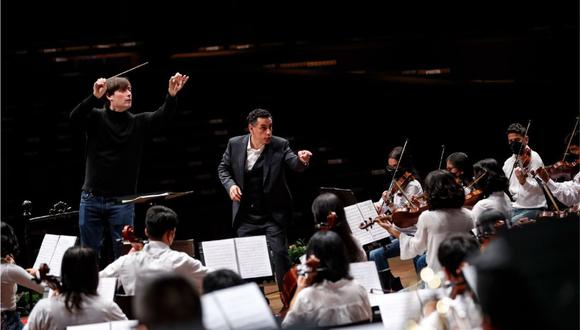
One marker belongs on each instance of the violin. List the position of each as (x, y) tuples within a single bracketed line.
[(402, 182), (472, 198), (559, 170), (525, 157), (51, 281)]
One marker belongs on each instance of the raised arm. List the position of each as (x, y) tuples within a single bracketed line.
[(165, 112), (82, 111)]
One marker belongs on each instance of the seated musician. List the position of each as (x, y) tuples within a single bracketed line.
[(327, 295), (77, 301), (321, 207), (528, 197), (464, 312), (221, 279), (493, 184), (489, 224), (168, 302), (459, 165), (446, 215), (156, 257), (390, 202), (12, 275)]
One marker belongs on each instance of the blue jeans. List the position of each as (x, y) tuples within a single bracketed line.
[(11, 320), (96, 212), (521, 213), (380, 256)]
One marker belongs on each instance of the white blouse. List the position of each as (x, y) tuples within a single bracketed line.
[(498, 201), (432, 228), (329, 304), (11, 275)]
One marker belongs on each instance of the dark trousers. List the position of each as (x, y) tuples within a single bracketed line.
[(277, 242)]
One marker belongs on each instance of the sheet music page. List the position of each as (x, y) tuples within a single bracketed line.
[(253, 257), (106, 288), (366, 274), (64, 242), (367, 209), (220, 254), (213, 316), (397, 308), (93, 326), (246, 307), (124, 325), (46, 250), (354, 219)]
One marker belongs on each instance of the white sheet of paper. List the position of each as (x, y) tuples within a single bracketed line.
[(366, 274), (124, 325), (213, 316), (64, 242), (245, 307), (106, 288), (253, 257), (46, 250), (470, 274), (354, 219), (92, 326), (397, 308), (220, 254), (367, 209)]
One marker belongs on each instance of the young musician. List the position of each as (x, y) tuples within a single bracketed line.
[(493, 185), (12, 275), (77, 302), (327, 295), (459, 165), (445, 216), (156, 257)]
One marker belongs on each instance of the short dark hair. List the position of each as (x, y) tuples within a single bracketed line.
[(406, 163), (459, 160), (488, 223), (494, 180), (160, 219), (221, 279), (117, 83), (443, 191), (455, 249), (80, 275), (169, 301), (516, 128), (329, 248), (258, 113), (9, 240)]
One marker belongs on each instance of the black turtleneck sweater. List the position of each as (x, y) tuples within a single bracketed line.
[(115, 144)]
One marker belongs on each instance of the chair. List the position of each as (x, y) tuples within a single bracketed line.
[(125, 302), (185, 245)]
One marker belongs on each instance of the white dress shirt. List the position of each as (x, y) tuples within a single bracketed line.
[(51, 313), (530, 194), (329, 304), (155, 258), (11, 275), (498, 201), (567, 192), (252, 155), (432, 228)]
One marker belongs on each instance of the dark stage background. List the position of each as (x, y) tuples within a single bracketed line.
[(346, 82)]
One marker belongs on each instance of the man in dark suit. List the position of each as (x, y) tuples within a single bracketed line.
[(255, 165)]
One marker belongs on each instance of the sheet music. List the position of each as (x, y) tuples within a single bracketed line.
[(367, 209), (366, 274), (46, 250), (213, 316), (92, 326), (397, 308), (124, 324), (220, 254), (245, 307), (253, 257), (354, 219), (106, 288), (64, 242)]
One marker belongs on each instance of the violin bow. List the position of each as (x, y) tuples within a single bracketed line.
[(570, 141), (520, 151), (442, 153), (396, 169)]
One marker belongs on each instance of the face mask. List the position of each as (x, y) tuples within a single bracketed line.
[(571, 158), (516, 147)]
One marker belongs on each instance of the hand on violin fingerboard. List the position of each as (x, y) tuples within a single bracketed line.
[(384, 222), (520, 175)]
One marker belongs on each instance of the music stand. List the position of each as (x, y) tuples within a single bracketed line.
[(62, 223), (345, 195)]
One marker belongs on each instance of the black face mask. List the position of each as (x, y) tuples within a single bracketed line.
[(570, 158), (516, 147)]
